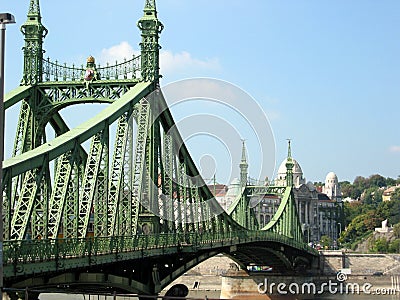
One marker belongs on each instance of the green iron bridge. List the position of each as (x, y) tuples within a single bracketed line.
[(132, 216)]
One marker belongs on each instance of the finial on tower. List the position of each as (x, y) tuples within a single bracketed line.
[(244, 159), (34, 8), (243, 165), (289, 165), (150, 4), (289, 148)]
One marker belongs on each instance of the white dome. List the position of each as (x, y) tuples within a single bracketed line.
[(298, 178), (234, 188), (332, 187), (331, 178), (296, 167)]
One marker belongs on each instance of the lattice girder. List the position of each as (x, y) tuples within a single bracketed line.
[(65, 165), (120, 157), (25, 203), (98, 153), (139, 164)]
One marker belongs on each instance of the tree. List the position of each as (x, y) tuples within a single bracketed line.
[(379, 245), (376, 180), (351, 210), (395, 196), (326, 241), (372, 195), (390, 181), (396, 230), (394, 247)]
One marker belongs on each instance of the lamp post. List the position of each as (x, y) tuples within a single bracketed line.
[(304, 228), (340, 228), (5, 18)]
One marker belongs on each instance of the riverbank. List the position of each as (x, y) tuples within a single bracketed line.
[(217, 277)]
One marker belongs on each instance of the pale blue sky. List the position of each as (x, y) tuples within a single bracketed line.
[(326, 73)]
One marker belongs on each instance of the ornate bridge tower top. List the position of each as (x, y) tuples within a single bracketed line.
[(34, 33), (150, 27), (289, 166), (243, 166)]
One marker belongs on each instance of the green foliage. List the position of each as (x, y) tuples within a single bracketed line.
[(382, 245), (372, 195), (390, 210), (396, 230), (394, 247), (360, 218), (351, 210), (395, 196), (379, 245), (377, 181), (325, 241), (360, 184)]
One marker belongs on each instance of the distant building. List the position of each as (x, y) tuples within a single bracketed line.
[(332, 187), (388, 192), (349, 200), (298, 178), (384, 228), (319, 210)]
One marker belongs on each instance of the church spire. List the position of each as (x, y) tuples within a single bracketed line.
[(34, 33), (151, 5), (243, 166), (289, 166), (34, 8), (150, 27)]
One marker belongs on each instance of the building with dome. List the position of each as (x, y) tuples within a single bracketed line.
[(332, 187), (319, 211), (298, 178)]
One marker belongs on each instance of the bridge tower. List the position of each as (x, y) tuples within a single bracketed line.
[(289, 166), (243, 166), (34, 33), (150, 28)]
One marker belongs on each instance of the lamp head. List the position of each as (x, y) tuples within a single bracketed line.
[(6, 18)]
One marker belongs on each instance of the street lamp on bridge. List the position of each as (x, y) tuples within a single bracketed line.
[(5, 18)]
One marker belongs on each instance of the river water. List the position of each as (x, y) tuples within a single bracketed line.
[(215, 295)]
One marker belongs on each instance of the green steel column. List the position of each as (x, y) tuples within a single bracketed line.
[(98, 153), (39, 220), (7, 207), (101, 193), (121, 156), (59, 194), (289, 167), (139, 173), (71, 207), (180, 195), (167, 188), (126, 209)]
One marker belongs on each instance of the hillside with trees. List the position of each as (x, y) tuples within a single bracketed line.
[(363, 216)]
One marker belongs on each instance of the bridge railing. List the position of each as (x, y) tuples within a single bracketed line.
[(53, 71), (29, 251)]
